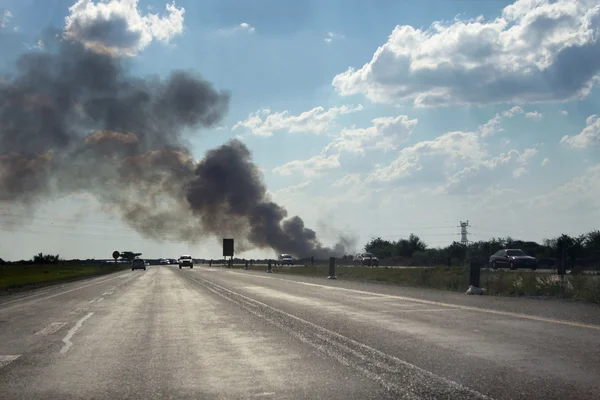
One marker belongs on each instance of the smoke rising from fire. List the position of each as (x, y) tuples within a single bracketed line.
[(74, 120)]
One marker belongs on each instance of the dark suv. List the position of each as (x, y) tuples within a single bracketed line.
[(138, 263)]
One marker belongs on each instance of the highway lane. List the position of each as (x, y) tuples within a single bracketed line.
[(501, 347), (154, 335), (221, 333)]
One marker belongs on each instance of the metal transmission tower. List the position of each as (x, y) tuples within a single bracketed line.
[(464, 237)]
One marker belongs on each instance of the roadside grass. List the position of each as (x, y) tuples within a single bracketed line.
[(18, 276), (505, 283)]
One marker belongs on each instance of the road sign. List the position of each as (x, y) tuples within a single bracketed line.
[(116, 255), (227, 247)]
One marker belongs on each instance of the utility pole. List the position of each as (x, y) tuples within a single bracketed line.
[(464, 237)]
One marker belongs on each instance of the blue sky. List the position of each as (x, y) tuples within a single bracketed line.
[(369, 118)]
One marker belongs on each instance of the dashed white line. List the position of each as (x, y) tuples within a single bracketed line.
[(100, 299), (67, 339), (5, 360), (52, 328)]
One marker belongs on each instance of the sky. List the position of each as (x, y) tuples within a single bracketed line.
[(367, 119)]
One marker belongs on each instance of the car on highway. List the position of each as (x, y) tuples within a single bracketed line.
[(285, 259), (186, 261), (366, 259), (138, 263), (513, 259), (164, 261)]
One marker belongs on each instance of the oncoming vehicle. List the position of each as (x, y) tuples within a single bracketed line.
[(513, 259), (186, 261), (138, 263), (285, 259), (366, 259)]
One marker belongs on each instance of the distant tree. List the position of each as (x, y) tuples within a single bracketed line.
[(45, 258), (380, 248)]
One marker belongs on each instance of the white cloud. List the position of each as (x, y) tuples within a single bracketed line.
[(493, 125), (451, 149), (564, 112), (522, 56), (331, 36), (5, 18), (318, 120), (578, 197), (118, 27), (246, 27), (311, 167), (483, 174), (243, 27), (289, 190), (535, 115), (519, 172), (545, 162), (347, 180), (589, 136), (385, 133)]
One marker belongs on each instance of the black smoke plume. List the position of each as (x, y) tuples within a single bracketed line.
[(74, 120)]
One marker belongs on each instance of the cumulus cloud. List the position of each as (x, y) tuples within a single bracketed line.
[(347, 180), (479, 176), (535, 115), (119, 28), (578, 197), (331, 36), (385, 133), (493, 125), (311, 167), (564, 112), (589, 136), (451, 149), (318, 120), (243, 27), (5, 18), (535, 51), (545, 162)]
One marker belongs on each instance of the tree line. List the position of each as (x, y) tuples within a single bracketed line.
[(585, 246)]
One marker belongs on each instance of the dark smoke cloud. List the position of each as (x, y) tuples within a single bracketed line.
[(74, 120)]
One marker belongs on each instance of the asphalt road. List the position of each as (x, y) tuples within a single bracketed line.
[(217, 333)]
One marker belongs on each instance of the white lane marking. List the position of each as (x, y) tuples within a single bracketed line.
[(2, 308), (439, 303), (107, 293), (5, 360), (100, 299), (67, 339), (52, 328)]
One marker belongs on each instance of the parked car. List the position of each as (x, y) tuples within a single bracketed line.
[(513, 259), (186, 261), (285, 259), (366, 259), (138, 263)]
